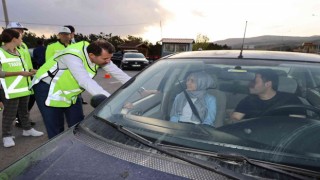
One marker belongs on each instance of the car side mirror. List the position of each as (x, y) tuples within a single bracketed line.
[(96, 100)]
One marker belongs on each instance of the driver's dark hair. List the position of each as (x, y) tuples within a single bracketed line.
[(269, 75), (97, 46)]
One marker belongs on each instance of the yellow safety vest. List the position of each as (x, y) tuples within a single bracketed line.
[(14, 86), (64, 88)]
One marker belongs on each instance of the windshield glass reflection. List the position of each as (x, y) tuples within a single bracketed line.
[(191, 104)]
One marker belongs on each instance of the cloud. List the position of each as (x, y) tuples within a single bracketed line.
[(122, 18), (179, 18)]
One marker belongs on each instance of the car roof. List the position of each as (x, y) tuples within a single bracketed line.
[(132, 53), (248, 54)]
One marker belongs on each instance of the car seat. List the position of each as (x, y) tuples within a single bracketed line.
[(287, 84), (221, 101), (290, 85)]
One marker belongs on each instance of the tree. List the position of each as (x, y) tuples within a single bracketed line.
[(81, 37), (116, 41), (104, 36), (93, 37), (53, 38), (202, 43), (154, 50), (30, 39), (133, 39), (213, 46)]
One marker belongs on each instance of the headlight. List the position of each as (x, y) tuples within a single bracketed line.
[(125, 62), (146, 62)]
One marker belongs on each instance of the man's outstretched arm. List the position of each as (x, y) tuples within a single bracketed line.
[(237, 116)]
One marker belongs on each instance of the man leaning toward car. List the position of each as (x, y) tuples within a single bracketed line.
[(263, 97), (73, 30), (58, 82)]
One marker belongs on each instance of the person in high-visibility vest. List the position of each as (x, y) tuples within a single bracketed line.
[(15, 80), (64, 36), (24, 51), (73, 30), (61, 79)]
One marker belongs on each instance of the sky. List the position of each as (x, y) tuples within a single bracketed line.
[(156, 19)]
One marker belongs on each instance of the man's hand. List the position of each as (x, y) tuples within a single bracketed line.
[(128, 105), (34, 71), (145, 92), (236, 116), (1, 106), (26, 73)]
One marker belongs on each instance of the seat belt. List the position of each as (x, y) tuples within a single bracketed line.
[(193, 108)]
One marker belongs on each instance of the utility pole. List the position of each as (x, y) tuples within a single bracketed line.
[(5, 12), (160, 29)]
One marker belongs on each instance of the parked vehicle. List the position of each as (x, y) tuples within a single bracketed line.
[(130, 135), (130, 50), (134, 60), (117, 58), (153, 58)]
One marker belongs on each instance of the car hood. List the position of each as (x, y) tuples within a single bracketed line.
[(83, 156)]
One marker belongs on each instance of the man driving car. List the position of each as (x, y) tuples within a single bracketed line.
[(264, 97)]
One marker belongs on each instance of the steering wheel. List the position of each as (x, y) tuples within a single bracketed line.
[(291, 107)]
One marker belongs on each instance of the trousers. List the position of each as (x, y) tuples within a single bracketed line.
[(53, 117), (11, 108)]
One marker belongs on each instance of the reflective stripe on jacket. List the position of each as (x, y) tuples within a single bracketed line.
[(14, 86), (64, 88)]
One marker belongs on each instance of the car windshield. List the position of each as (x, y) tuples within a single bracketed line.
[(133, 55), (188, 102), (117, 54)]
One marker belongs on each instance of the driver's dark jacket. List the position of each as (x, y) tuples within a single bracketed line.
[(253, 106)]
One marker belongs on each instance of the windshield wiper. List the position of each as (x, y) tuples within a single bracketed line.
[(243, 159), (206, 165), (271, 166), (124, 130), (212, 166)]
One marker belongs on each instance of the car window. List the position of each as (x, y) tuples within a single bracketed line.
[(315, 74), (117, 54), (133, 55), (150, 84), (149, 104)]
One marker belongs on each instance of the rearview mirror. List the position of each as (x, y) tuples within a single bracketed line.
[(234, 74)]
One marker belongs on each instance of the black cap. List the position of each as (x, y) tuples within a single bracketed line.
[(71, 28)]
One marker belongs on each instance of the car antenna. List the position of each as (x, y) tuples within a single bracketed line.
[(244, 36)]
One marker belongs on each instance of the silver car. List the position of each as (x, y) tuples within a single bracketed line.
[(133, 60), (148, 128)]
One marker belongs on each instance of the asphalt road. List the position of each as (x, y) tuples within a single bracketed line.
[(24, 145)]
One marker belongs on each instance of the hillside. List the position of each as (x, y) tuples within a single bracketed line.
[(269, 41)]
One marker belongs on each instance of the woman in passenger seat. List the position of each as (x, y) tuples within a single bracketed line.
[(197, 84)]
